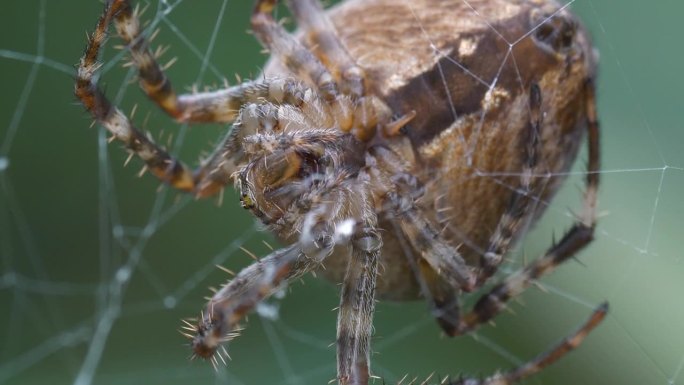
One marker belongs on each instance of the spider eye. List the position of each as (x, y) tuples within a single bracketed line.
[(556, 32)]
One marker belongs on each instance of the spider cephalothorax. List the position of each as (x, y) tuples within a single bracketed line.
[(419, 136)]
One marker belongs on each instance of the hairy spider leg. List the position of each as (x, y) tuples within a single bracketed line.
[(158, 161), (322, 38), (354, 112), (575, 239), (357, 299), (223, 105), (543, 360), (446, 305), (433, 257), (520, 205), (294, 55), (216, 106), (422, 236), (234, 300), (256, 282), (219, 106), (319, 235)]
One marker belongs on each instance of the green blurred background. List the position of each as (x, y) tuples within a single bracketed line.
[(71, 216)]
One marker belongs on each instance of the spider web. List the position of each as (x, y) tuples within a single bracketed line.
[(97, 269)]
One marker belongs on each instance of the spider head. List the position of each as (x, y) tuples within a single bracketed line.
[(287, 172)]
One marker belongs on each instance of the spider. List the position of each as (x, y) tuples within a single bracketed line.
[(403, 145)]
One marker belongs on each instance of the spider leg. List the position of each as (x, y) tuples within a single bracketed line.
[(215, 106), (403, 190), (575, 239), (441, 296), (236, 298), (545, 359), (215, 172), (357, 299), (157, 160), (322, 229), (297, 58), (257, 281), (354, 322), (519, 206), (423, 237), (441, 271), (361, 115), (443, 299), (440, 293), (322, 37)]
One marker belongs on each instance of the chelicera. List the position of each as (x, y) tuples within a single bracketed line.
[(415, 138)]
